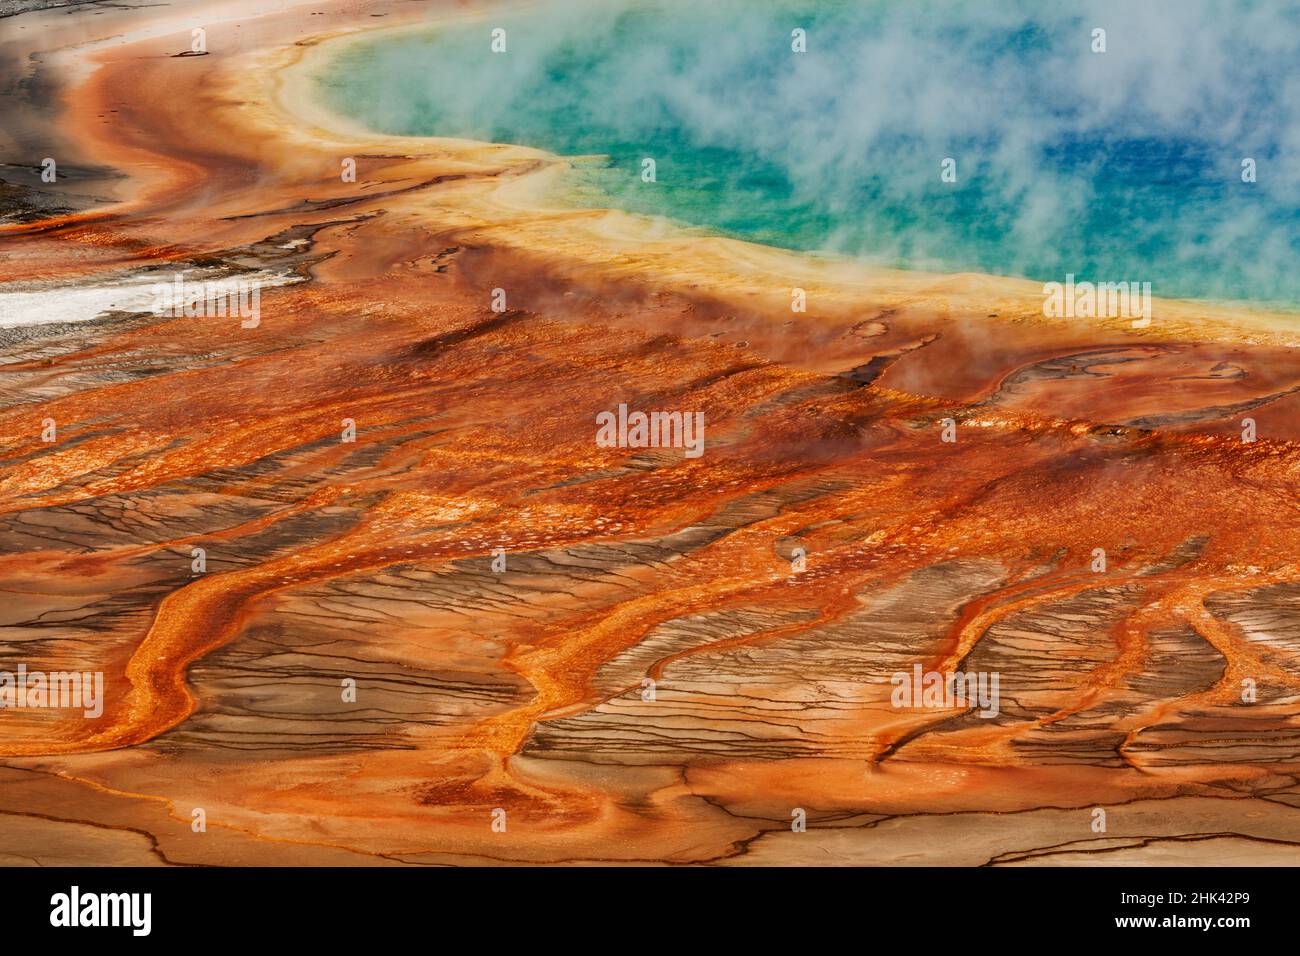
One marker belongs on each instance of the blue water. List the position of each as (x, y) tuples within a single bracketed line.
[(1116, 165)]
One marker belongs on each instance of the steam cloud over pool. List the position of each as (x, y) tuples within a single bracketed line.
[(1122, 164)]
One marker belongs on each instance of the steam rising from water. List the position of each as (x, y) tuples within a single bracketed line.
[(1111, 166)]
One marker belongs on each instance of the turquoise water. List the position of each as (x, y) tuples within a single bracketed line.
[(1119, 165)]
